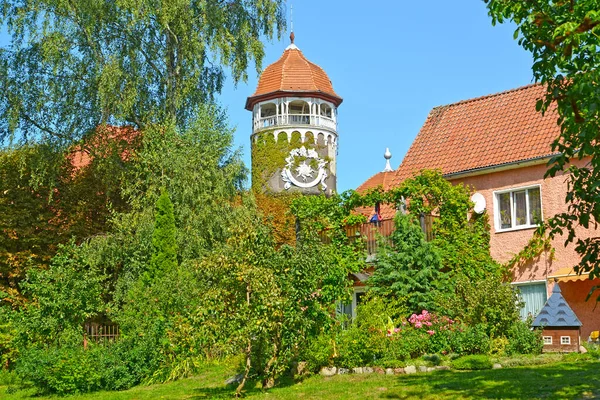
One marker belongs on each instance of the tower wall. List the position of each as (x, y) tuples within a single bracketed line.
[(294, 160)]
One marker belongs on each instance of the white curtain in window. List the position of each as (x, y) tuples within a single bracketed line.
[(534, 297), (520, 199)]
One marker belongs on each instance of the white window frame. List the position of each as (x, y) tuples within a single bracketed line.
[(528, 225), (547, 340), (567, 341), (529, 283)]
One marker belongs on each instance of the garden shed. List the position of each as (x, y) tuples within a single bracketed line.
[(560, 326)]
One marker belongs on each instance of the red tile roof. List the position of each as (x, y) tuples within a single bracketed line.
[(81, 158), (382, 179), (293, 73), (483, 132)]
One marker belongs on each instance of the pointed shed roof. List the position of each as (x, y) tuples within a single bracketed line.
[(556, 312)]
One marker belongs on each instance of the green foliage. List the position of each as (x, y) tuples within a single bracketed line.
[(563, 38), (490, 302), (46, 202), (471, 340), (524, 340), (474, 362), (268, 160), (61, 299), (320, 352), (538, 244), (461, 236), (276, 298), (73, 369), (70, 66), (164, 243), (409, 268)]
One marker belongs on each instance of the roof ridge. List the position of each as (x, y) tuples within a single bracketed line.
[(287, 56), (308, 64), (487, 96)]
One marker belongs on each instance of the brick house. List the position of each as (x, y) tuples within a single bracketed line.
[(500, 146)]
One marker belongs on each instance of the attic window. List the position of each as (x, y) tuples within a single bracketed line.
[(565, 340), (518, 208)]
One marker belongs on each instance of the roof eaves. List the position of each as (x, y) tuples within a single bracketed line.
[(500, 167)]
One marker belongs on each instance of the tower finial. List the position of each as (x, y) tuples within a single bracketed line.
[(387, 155), (292, 36)]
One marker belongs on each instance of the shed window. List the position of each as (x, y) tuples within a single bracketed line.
[(547, 339), (565, 340), (517, 209)]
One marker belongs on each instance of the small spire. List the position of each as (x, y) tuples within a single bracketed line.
[(387, 155), (292, 46)]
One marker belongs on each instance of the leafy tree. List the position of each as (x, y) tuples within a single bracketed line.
[(563, 37), (72, 66), (62, 297), (42, 208), (164, 243), (411, 268), (276, 299)]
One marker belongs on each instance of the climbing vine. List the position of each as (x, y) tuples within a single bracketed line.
[(461, 236), (268, 159), (538, 244)]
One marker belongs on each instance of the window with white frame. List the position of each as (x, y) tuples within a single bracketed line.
[(565, 340), (547, 339), (518, 208), (533, 297)]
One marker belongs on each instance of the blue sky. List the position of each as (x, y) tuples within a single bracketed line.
[(392, 62)]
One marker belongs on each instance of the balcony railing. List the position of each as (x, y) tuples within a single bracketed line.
[(294, 119), (375, 232)]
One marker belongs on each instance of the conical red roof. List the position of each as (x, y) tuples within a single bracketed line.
[(293, 74)]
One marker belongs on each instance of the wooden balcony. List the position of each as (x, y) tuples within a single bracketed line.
[(375, 232)]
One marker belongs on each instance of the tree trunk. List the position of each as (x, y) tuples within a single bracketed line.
[(238, 390)]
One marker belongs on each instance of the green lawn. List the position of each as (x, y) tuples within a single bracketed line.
[(576, 380)]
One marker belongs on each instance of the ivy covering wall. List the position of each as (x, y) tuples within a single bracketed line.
[(268, 159)]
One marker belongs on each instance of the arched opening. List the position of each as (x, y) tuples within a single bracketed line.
[(268, 110), (299, 112), (282, 137), (326, 111), (268, 114), (320, 139), (309, 137)]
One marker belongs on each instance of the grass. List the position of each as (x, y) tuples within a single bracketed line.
[(572, 380)]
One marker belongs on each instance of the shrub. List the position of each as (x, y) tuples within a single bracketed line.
[(352, 350), (410, 268), (472, 362), (471, 340), (319, 353), (488, 301), (60, 370), (73, 369), (498, 346), (524, 340)]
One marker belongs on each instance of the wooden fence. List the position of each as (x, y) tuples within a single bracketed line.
[(100, 333)]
